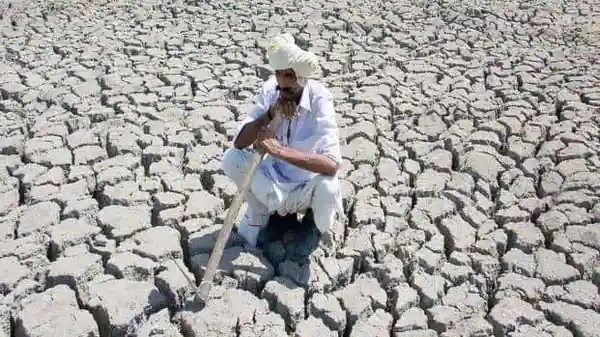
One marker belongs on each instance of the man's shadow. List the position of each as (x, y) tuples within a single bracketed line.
[(288, 238)]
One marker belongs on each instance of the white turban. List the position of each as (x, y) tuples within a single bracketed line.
[(283, 53)]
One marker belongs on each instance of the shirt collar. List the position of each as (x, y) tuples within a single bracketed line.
[(305, 99)]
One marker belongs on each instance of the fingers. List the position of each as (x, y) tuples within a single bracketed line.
[(293, 111), (287, 109), (279, 108)]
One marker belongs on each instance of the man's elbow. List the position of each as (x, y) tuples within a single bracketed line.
[(332, 169), (330, 173), (238, 145), (240, 141)]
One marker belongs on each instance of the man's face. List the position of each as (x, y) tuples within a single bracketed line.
[(288, 87)]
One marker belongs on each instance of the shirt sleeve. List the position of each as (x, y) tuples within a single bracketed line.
[(327, 129), (260, 106)]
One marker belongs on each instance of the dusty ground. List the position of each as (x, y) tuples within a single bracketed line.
[(472, 178)]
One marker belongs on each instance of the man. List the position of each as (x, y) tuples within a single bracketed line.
[(298, 173)]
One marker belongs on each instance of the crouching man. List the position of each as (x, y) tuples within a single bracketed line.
[(299, 172)]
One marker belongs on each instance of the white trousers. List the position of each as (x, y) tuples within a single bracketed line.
[(266, 196)]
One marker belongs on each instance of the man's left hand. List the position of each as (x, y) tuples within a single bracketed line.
[(266, 141)]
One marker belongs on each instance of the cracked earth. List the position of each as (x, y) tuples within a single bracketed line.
[(471, 182)]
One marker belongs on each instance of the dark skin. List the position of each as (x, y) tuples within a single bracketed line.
[(259, 133)]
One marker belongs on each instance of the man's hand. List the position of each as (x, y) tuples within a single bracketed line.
[(286, 109), (266, 141)]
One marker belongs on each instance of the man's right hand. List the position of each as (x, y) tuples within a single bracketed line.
[(287, 109), (248, 135)]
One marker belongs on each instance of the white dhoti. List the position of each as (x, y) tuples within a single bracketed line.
[(321, 194)]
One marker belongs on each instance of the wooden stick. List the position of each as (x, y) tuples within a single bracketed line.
[(205, 286)]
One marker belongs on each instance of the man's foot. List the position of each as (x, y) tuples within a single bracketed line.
[(248, 230), (239, 240), (326, 240), (236, 239), (327, 244), (251, 249)]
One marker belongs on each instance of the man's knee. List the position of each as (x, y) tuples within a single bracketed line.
[(233, 161), (324, 201), (326, 186)]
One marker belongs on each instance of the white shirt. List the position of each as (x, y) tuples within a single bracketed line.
[(315, 130)]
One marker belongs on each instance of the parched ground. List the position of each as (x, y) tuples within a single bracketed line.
[(472, 178)]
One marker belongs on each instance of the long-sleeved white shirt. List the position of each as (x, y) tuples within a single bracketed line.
[(315, 130)]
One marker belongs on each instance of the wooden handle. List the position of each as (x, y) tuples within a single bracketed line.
[(217, 252), (237, 202)]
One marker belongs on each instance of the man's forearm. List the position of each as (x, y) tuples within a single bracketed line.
[(313, 162), (247, 136)]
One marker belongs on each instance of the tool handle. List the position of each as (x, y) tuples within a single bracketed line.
[(236, 204)]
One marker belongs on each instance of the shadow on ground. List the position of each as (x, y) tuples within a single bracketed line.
[(287, 238)]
